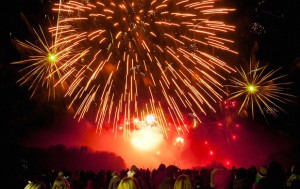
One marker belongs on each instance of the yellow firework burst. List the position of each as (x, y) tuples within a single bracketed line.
[(260, 88), (45, 63)]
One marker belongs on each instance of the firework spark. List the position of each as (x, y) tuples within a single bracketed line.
[(260, 88), (143, 57)]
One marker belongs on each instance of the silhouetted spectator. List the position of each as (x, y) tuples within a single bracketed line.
[(146, 179), (75, 180), (205, 178), (135, 173), (293, 181), (114, 181), (100, 179), (90, 175), (60, 182), (261, 178), (241, 180), (132, 171), (129, 183), (221, 178), (170, 177), (275, 175), (82, 179), (35, 185), (183, 182), (252, 171), (158, 176), (197, 184)]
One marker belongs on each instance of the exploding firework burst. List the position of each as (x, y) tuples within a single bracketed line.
[(260, 88), (143, 57), (45, 63)]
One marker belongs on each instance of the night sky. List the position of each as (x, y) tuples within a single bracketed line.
[(273, 26)]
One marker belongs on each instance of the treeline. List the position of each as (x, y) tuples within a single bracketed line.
[(60, 157)]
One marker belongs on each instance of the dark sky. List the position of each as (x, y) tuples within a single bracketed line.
[(274, 25)]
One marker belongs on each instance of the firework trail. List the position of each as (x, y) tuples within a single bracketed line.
[(128, 59)]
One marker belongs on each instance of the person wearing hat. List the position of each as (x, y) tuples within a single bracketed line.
[(260, 180), (60, 182)]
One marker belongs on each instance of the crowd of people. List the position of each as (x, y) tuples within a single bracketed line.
[(271, 176)]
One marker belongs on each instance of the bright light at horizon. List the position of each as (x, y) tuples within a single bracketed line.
[(147, 139)]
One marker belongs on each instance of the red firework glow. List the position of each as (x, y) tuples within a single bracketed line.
[(147, 136), (201, 148)]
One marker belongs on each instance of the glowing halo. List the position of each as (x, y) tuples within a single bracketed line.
[(251, 88), (146, 139), (52, 58)]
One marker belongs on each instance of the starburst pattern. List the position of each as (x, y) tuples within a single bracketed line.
[(45, 63), (260, 88)]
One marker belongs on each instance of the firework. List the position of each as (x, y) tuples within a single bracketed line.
[(260, 88), (45, 63), (141, 57), (135, 58)]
